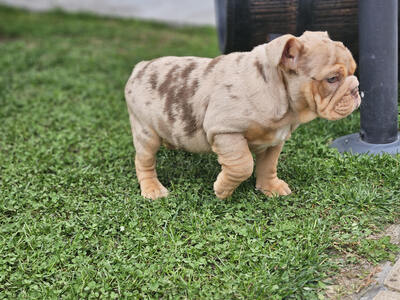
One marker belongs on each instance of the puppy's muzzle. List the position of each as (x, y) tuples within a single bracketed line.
[(354, 91), (356, 96)]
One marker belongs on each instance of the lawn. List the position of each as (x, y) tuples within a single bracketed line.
[(72, 221)]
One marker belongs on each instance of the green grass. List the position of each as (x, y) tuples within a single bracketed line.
[(73, 224)]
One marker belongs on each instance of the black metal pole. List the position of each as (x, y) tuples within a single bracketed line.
[(233, 24), (378, 70), (378, 67)]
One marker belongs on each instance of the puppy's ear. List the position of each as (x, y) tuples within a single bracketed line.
[(291, 54)]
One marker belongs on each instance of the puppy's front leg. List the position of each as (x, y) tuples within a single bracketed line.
[(266, 172), (236, 162)]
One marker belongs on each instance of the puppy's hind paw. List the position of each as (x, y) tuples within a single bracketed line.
[(153, 189)]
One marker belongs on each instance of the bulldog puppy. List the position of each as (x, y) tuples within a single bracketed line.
[(237, 104)]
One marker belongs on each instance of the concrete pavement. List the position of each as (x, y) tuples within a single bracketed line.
[(386, 285), (193, 12)]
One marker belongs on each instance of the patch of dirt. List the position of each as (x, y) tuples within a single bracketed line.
[(353, 280)]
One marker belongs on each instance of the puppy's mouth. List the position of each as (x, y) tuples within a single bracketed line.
[(349, 102)]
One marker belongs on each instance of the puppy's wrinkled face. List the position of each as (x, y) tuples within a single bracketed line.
[(326, 68)]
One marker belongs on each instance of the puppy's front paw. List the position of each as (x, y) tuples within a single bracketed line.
[(221, 190), (153, 189), (274, 187)]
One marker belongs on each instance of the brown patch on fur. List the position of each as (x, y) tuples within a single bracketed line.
[(177, 95), (190, 120), (260, 70), (186, 71), (183, 95), (212, 64), (194, 86), (257, 132), (164, 88), (228, 87), (167, 89), (129, 91), (239, 58), (146, 132), (147, 103), (153, 80), (140, 74)]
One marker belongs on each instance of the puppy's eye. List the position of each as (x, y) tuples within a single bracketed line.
[(332, 79)]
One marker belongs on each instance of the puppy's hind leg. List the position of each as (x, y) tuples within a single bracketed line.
[(147, 143)]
